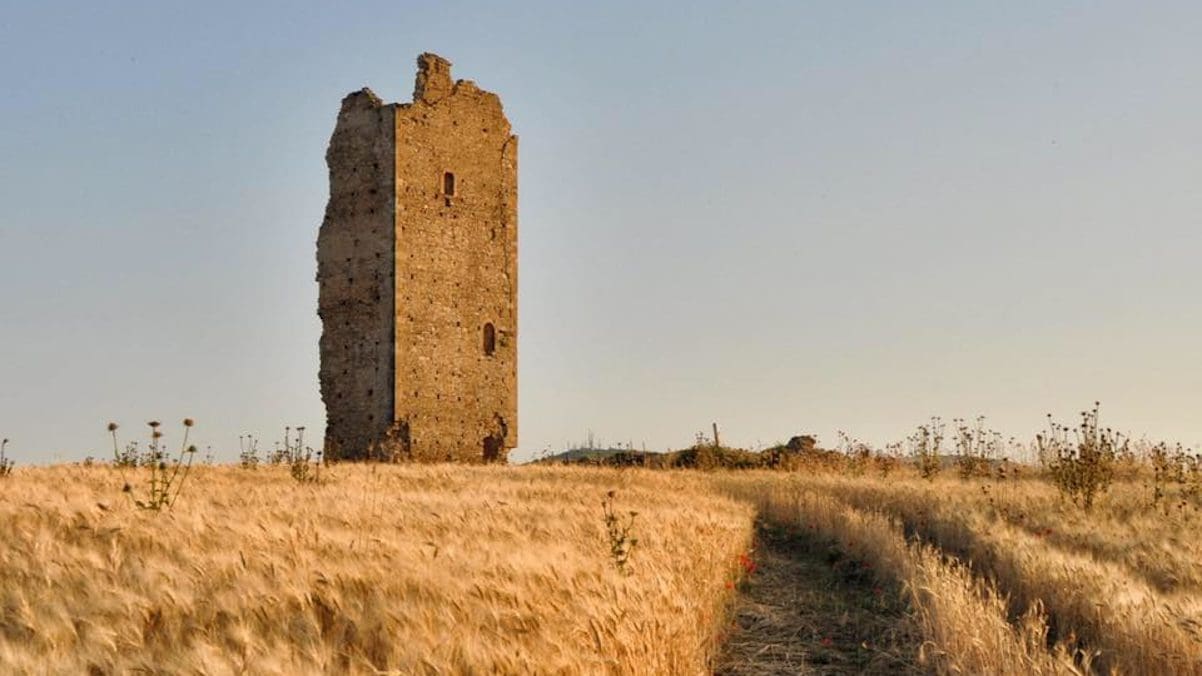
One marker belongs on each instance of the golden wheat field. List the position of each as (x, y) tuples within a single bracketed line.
[(1008, 577), (454, 569), (441, 569)]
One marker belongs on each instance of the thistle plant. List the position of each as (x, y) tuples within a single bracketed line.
[(617, 528), (248, 447), (1165, 468), (1192, 479), (1081, 461), (1173, 467), (304, 464), (857, 454), (975, 448), (131, 456), (925, 446), (6, 465), (888, 460), (167, 475)]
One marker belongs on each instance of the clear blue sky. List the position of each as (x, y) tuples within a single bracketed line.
[(787, 217)]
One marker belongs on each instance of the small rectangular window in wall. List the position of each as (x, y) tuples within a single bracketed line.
[(448, 184)]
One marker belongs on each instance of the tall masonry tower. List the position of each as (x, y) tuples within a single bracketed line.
[(417, 275)]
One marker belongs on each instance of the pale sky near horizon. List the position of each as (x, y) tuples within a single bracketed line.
[(786, 217)]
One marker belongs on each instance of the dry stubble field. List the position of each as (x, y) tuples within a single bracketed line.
[(450, 569)]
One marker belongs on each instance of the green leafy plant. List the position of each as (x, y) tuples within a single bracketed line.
[(1081, 461), (167, 475), (618, 530)]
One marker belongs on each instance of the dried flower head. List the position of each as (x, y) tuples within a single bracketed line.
[(112, 427), (154, 424), (188, 422)]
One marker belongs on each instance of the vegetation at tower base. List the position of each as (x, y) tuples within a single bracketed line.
[(417, 276)]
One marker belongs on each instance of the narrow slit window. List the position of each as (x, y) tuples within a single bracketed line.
[(490, 340), (448, 184)]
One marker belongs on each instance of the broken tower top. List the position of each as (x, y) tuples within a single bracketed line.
[(433, 78)]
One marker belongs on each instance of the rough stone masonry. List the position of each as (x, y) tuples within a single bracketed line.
[(417, 275)]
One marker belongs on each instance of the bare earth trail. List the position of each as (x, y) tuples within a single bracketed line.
[(808, 610)]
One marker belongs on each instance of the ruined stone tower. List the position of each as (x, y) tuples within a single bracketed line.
[(417, 274)]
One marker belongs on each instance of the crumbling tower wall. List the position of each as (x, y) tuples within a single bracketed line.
[(417, 271), (356, 275)]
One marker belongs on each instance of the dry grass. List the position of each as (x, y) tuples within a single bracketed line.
[(1102, 601), (404, 569), (809, 609), (449, 569), (962, 618), (1119, 583)]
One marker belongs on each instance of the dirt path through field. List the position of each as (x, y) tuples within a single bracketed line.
[(808, 610)]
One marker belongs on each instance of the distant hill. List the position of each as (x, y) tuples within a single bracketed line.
[(702, 456), (582, 454)]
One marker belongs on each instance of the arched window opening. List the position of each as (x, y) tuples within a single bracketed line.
[(490, 340)]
